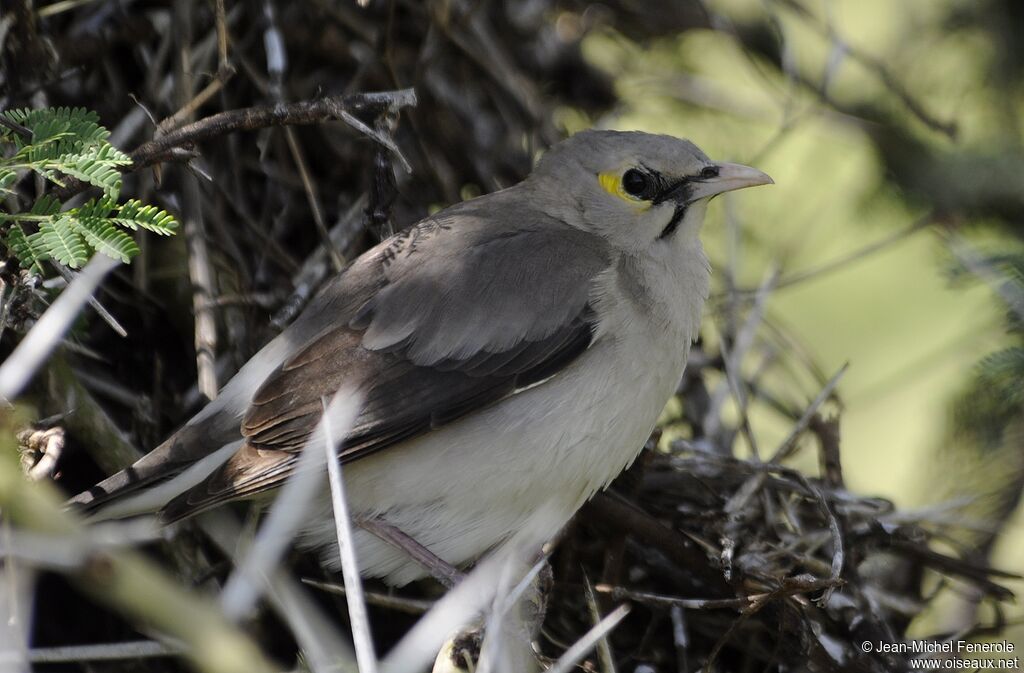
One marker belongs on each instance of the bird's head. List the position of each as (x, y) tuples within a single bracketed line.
[(634, 189)]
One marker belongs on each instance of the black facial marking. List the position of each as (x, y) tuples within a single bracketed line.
[(676, 191), (679, 192), (673, 224)]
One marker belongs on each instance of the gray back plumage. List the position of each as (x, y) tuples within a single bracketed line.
[(479, 277)]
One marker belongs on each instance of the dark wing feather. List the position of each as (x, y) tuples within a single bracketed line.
[(469, 312)]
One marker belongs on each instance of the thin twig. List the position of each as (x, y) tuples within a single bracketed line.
[(44, 336), (95, 304), (733, 360), (134, 649), (743, 494), (580, 648), (409, 606), (381, 138), (831, 266), (359, 618), (790, 587), (189, 109), (301, 113), (200, 270), (838, 547), (313, 198), (204, 292), (15, 127), (680, 638), (915, 107), (805, 420), (604, 648), (289, 510), (739, 603), (220, 19)]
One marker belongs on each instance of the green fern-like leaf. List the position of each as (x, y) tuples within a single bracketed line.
[(29, 253), (85, 125), (106, 238), (63, 130), (55, 133), (7, 179), (45, 125), (98, 168), (45, 205), (33, 118), (108, 152), (63, 243), (66, 141), (33, 154), (135, 214), (101, 207)]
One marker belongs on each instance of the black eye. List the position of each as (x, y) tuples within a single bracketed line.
[(709, 172), (637, 183)]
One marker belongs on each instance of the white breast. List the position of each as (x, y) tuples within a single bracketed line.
[(464, 488)]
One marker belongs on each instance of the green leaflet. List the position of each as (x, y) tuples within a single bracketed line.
[(63, 243), (135, 214), (30, 253), (106, 238)]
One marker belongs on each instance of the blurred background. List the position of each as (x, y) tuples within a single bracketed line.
[(891, 241)]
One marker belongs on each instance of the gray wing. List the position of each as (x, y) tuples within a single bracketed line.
[(466, 312)]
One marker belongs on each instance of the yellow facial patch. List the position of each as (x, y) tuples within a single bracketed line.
[(611, 182)]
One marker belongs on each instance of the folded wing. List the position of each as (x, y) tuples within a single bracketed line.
[(466, 313)]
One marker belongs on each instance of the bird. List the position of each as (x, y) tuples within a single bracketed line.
[(509, 350)]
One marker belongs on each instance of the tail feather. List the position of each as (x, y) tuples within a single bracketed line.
[(244, 474), (160, 475), (113, 488), (170, 465)]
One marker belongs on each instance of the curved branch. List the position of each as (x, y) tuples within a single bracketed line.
[(263, 116)]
